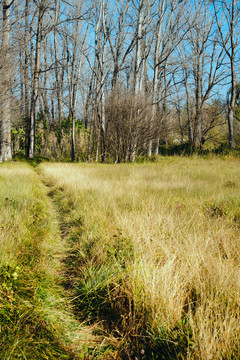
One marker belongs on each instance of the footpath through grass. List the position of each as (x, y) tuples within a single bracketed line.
[(120, 261), (36, 321), (155, 255)]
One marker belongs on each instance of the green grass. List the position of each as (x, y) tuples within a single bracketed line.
[(33, 306)]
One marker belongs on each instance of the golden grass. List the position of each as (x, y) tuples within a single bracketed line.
[(170, 231)]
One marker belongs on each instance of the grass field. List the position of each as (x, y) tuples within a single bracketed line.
[(33, 303), (151, 262)]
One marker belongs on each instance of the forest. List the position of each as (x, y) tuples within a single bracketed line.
[(114, 81)]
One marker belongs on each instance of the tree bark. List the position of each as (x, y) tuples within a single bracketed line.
[(232, 103), (5, 125), (26, 78), (57, 70), (138, 62), (31, 152)]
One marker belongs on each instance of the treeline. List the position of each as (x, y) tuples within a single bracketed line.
[(109, 80)]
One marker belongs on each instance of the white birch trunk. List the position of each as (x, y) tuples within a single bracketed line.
[(155, 76), (138, 59), (233, 77), (5, 125), (35, 85), (57, 70), (26, 76)]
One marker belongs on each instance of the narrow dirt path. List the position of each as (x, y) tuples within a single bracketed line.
[(77, 336)]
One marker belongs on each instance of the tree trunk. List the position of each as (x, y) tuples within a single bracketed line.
[(26, 78), (189, 123), (198, 118), (5, 125), (100, 45), (139, 35), (44, 90), (57, 70), (233, 79), (232, 105), (73, 135), (31, 152), (90, 141), (165, 94)]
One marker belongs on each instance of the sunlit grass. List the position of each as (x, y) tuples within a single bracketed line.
[(35, 320), (157, 249)]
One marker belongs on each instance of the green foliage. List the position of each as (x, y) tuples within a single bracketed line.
[(25, 333), (180, 149), (19, 131), (143, 159), (19, 156), (187, 150), (223, 150), (228, 209)]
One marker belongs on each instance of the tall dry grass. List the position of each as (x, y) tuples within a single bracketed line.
[(156, 253)]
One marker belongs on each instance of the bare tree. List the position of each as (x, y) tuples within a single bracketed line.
[(5, 118), (73, 68), (202, 65), (26, 75), (42, 6), (169, 30), (59, 83), (101, 37), (121, 44), (227, 15)]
